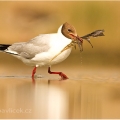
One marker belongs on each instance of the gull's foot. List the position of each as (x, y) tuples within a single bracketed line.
[(63, 76)]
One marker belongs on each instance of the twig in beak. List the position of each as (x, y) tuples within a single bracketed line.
[(80, 43), (90, 43), (95, 33)]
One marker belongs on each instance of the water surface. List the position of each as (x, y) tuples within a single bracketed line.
[(92, 94)]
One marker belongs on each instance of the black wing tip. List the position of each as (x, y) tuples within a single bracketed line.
[(4, 46)]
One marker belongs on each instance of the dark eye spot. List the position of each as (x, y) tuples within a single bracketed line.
[(69, 30)]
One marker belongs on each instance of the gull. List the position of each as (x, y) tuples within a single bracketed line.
[(49, 49), (45, 49)]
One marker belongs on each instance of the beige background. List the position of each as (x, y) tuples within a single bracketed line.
[(93, 90)]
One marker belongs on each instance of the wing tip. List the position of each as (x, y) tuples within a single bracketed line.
[(4, 46)]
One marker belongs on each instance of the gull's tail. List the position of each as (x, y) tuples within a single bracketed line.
[(4, 47)]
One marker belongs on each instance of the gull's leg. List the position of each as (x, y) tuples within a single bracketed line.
[(63, 76), (34, 71)]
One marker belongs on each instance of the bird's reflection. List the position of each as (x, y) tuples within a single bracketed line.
[(56, 99), (33, 80)]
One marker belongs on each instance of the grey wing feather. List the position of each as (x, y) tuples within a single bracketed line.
[(29, 49)]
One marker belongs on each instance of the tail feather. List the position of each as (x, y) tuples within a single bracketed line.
[(4, 46)]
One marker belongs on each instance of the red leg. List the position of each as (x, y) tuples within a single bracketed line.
[(63, 76), (33, 73)]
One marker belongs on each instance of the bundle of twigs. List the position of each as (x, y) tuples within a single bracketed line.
[(96, 33)]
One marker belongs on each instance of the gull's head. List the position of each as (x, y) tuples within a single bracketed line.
[(70, 32)]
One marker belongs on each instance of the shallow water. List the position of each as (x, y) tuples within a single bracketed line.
[(93, 94)]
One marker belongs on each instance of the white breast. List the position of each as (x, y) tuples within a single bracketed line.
[(57, 44)]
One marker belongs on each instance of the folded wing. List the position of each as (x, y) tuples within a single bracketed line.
[(29, 49)]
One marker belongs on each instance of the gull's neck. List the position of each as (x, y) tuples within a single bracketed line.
[(59, 30), (61, 34)]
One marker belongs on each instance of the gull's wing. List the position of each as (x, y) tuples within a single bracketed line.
[(29, 49)]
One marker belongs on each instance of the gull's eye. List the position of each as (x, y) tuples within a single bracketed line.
[(69, 30)]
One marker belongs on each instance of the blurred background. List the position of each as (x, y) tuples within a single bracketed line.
[(22, 21)]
